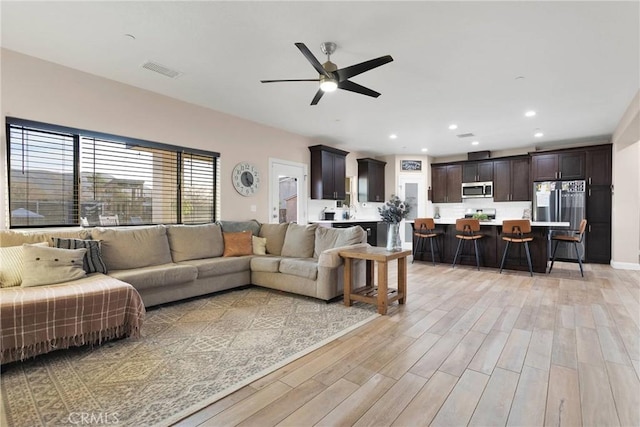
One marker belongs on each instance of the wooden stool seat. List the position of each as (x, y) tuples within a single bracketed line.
[(424, 228), (467, 229), (517, 231)]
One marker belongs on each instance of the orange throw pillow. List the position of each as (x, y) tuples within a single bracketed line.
[(237, 244)]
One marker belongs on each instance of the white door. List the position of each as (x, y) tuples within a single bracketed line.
[(287, 192), (411, 188)]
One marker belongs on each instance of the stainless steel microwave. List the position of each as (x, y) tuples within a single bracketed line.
[(477, 189)]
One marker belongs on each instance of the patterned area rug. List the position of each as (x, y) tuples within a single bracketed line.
[(191, 354)]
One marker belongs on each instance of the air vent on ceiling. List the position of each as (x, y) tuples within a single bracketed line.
[(465, 135), (161, 69)]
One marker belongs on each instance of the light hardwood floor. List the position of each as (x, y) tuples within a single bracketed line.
[(468, 348)]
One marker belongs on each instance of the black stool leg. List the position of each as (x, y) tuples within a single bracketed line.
[(433, 255), (455, 257), (553, 257), (475, 244), (415, 250), (526, 248), (579, 258), (504, 256), (438, 248)]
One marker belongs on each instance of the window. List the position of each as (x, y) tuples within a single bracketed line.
[(63, 176)]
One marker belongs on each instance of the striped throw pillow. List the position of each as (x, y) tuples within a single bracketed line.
[(92, 262)]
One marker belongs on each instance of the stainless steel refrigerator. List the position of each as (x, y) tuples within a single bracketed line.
[(560, 201)]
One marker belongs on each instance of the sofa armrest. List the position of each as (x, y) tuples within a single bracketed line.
[(330, 258)]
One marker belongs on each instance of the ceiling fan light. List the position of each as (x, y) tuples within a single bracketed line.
[(328, 85)]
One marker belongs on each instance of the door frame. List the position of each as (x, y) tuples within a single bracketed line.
[(297, 170)]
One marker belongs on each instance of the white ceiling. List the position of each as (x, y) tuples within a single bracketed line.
[(454, 62)]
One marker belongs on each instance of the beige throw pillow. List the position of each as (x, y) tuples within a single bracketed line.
[(259, 245), (11, 265), (47, 266)]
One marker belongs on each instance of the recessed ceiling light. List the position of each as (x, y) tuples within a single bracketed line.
[(538, 133), (453, 126), (424, 150), (393, 136), (530, 113), (475, 143)]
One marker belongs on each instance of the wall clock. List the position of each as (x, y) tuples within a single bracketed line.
[(246, 179)]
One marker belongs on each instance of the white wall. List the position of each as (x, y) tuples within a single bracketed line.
[(626, 185), (43, 91)]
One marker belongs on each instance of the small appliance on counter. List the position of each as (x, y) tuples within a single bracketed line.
[(486, 214), (329, 216)]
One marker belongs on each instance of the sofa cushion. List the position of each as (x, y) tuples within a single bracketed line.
[(301, 267), (237, 244), (259, 245), (157, 275), (328, 238), (93, 262), (47, 266), (299, 241), (268, 264), (219, 266), (124, 249), (275, 236), (11, 265), (195, 241), (236, 226), (17, 238)]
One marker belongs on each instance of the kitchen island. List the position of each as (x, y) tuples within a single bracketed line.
[(491, 246)]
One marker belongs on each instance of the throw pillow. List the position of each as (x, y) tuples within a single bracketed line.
[(47, 266), (11, 265), (259, 245), (237, 244), (299, 241), (92, 262)]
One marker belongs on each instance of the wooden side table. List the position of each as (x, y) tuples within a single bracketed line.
[(380, 295)]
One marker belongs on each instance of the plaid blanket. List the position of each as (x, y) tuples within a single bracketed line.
[(91, 310)]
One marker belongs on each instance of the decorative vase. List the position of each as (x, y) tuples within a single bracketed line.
[(393, 237)]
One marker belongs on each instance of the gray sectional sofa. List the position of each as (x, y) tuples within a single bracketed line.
[(159, 264)]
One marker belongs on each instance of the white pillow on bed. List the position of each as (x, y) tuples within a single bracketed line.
[(11, 265), (47, 266)]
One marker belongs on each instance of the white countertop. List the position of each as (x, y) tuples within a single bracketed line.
[(451, 221)]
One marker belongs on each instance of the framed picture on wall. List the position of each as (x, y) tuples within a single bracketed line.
[(411, 165)]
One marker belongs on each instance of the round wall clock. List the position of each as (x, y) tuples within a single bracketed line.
[(246, 179)]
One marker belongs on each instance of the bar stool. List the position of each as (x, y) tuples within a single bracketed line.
[(575, 237), (424, 229), (517, 231), (467, 230)]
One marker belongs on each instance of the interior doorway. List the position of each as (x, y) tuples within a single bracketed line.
[(411, 188), (287, 192)]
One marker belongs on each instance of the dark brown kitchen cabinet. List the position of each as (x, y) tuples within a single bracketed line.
[(554, 166), (328, 172), (446, 183), (599, 165), (477, 171), (371, 180), (511, 181)]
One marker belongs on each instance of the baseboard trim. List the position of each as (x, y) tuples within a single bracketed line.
[(625, 265)]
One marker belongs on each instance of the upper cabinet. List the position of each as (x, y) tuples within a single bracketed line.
[(599, 165), (446, 183), (328, 172), (511, 180), (371, 180), (477, 171), (553, 166)]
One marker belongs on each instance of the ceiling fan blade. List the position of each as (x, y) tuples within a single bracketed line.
[(316, 98), (355, 87), (354, 70), (290, 80), (312, 59)]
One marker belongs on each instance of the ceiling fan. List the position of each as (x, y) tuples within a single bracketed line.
[(332, 78)]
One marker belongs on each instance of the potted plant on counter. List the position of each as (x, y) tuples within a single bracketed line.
[(393, 212)]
